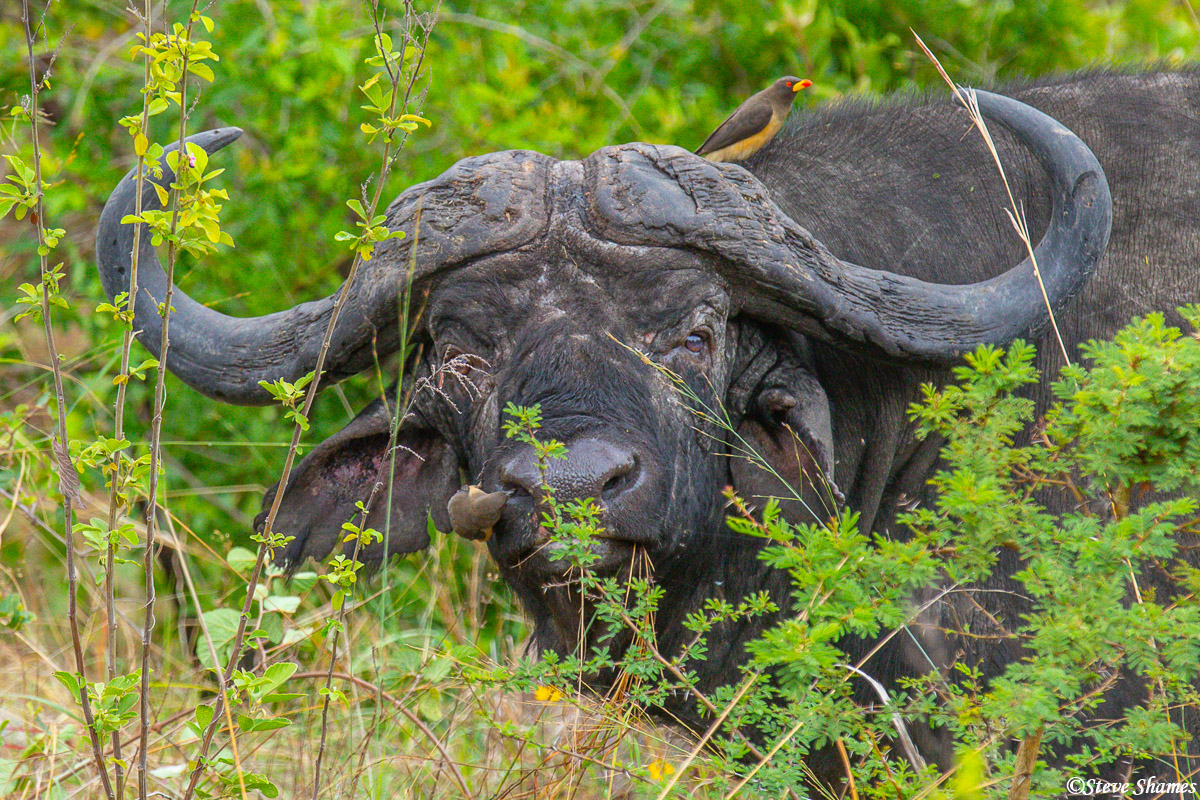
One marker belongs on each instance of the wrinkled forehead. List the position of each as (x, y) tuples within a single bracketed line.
[(584, 238), (566, 280)]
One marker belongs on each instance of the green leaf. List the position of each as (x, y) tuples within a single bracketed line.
[(281, 604), (203, 716), (277, 673), (222, 625), (202, 71), (241, 559), (69, 680)]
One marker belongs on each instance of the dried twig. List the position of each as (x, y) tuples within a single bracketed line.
[(841, 748), (1027, 755)]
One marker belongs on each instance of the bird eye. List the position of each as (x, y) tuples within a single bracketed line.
[(696, 341)]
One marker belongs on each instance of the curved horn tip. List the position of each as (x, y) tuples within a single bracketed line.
[(213, 140)]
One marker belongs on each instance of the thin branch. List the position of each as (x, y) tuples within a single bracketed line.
[(68, 480), (118, 459), (156, 421), (395, 78), (289, 461)]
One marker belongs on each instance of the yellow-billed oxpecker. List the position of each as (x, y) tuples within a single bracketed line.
[(758, 119)]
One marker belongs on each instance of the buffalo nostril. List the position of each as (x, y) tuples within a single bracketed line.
[(619, 478), (521, 477)]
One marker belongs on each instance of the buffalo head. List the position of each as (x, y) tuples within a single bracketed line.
[(588, 288)]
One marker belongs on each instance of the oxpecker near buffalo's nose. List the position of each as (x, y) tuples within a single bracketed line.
[(473, 512), (754, 123)]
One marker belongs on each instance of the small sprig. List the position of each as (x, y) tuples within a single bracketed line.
[(289, 395), (198, 228), (372, 231), (46, 291), (381, 94), (100, 537), (21, 192), (170, 55)]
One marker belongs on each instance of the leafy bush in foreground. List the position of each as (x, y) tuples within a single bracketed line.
[(1095, 506), (1097, 503)]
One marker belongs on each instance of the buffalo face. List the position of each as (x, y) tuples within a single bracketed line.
[(593, 336), (586, 288)]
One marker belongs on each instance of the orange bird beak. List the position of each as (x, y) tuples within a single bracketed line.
[(804, 84)]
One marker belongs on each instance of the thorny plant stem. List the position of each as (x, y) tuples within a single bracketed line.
[(297, 430), (677, 673), (395, 78), (119, 414), (68, 481), (156, 421)]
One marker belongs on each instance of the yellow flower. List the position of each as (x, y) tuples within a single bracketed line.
[(660, 769), (548, 694)]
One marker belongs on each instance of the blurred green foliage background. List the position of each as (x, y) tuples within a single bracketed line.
[(559, 76)]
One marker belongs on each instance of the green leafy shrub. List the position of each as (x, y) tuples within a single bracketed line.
[(1097, 505)]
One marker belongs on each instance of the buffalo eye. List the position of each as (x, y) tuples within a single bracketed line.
[(696, 342), (456, 360)]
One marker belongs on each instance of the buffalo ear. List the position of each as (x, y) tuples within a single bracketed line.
[(343, 470), (787, 426)]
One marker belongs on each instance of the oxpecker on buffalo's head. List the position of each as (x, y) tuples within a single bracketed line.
[(754, 123)]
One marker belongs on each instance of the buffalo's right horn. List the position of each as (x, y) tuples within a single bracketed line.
[(480, 205), (656, 195)]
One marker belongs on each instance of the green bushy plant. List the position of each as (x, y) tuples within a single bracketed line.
[(1097, 502)]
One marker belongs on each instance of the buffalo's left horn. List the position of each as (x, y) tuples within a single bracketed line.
[(654, 195), (480, 205)]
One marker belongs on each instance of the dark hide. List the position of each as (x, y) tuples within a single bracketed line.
[(903, 183), (787, 426), (566, 323)]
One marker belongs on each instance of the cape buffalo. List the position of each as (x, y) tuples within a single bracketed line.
[(556, 275)]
